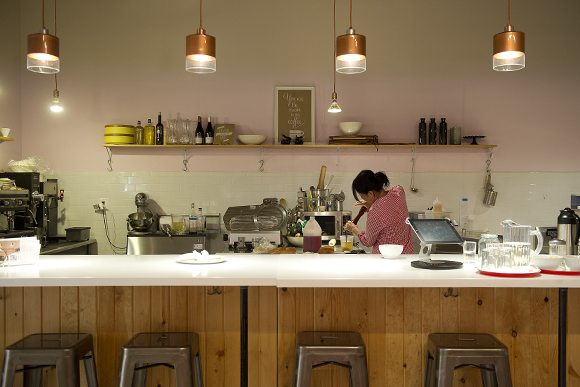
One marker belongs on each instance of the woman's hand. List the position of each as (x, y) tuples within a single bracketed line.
[(351, 227), (361, 203)]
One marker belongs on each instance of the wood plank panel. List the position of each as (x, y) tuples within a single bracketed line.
[(268, 350), (14, 319), (503, 323), (522, 306), (3, 342), (69, 309), (160, 315), (542, 355), (215, 340), (123, 320), (413, 354), (196, 320), (51, 306), (431, 320), (323, 321), (376, 339), (87, 319), (395, 335), (341, 320), (465, 317), (107, 368), (32, 308), (178, 317), (254, 311), (287, 328), (573, 345), (231, 343)]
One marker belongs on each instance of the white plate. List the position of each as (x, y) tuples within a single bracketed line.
[(191, 259)]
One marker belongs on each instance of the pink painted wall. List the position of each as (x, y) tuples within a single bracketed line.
[(10, 80), (123, 61)]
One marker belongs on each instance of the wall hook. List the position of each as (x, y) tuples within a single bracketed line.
[(214, 291), (261, 159), (110, 153), (450, 293), (185, 169)]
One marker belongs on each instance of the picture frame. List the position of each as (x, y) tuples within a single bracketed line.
[(294, 113), (224, 134)]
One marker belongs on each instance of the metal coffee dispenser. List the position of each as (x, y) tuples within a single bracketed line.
[(569, 230)]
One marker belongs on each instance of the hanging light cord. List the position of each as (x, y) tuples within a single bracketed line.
[(334, 58), (350, 13), (43, 14), (54, 17), (55, 83), (200, 14)]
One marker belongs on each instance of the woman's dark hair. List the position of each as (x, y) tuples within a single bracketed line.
[(367, 181)]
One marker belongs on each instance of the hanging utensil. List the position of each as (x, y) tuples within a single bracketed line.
[(329, 180), (413, 188)]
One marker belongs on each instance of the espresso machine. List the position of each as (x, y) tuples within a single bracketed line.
[(41, 213), (13, 203)]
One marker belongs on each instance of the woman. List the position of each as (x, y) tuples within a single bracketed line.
[(387, 212)]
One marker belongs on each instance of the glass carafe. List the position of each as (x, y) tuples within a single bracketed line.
[(171, 132), (186, 137), (519, 237)]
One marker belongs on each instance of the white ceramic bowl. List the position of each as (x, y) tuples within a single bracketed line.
[(573, 262), (391, 251), (547, 262), (349, 128), (296, 241), (252, 139)]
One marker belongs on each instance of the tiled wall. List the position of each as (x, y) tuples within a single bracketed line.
[(528, 198)]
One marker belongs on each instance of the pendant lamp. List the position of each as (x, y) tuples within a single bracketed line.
[(200, 51), (43, 49), (351, 51), (334, 108), (509, 49), (55, 107)]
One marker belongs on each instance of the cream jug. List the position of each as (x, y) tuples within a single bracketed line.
[(519, 237)]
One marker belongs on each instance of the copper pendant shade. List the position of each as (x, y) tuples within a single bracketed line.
[(509, 49), (200, 55), (351, 51), (43, 50)]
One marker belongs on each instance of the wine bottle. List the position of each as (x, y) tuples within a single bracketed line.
[(149, 133), (199, 132), (159, 131), (209, 132), (432, 132), (422, 132)]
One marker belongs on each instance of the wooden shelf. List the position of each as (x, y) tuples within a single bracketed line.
[(299, 146)]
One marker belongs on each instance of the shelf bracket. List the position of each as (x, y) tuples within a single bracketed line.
[(110, 153), (185, 169), (337, 160), (261, 159)]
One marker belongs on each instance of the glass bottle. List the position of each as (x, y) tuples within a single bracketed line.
[(192, 219), (209, 132), (200, 221), (159, 131), (443, 132), (149, 131), (138, 133), (432, 132), (422, 132), (199, 135), (484, 240)]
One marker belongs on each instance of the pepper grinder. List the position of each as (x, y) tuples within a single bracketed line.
[(432, 132)]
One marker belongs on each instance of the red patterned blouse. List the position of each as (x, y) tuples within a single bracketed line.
[(386, 222)]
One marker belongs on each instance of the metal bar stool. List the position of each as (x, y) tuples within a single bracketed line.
[(152, 349), (61, 350), (447, 352), (335, 348)]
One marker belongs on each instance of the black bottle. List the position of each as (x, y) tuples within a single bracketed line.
[(209, 132), (432, 132), (199, 135), (422, 132), (159, 131), (443, 132)]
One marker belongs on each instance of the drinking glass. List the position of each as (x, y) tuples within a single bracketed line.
[(187, 137), (171, 129), (346, 242), (177, 224), (469, 251)]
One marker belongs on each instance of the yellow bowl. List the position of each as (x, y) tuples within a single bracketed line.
[(119, 139), (120, 129)]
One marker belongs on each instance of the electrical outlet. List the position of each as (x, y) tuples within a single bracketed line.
[(104, 203)]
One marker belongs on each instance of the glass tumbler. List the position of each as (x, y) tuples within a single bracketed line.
[(469, 251)]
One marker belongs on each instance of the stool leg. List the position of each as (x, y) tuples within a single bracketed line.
[(126, 371), (8, 371), (197, 367), (444, 370), (358, 372), (302, 371), (139, 376), (429, 368), (184, 372), (90, 370), (503, 373), (32, 378), (488, 378), (67, 372)]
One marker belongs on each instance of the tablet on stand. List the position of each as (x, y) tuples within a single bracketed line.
[(433, 231)]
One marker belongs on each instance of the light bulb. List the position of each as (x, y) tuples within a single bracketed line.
[(56, 107)]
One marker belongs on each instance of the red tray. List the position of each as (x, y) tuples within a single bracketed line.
[(560, 272), (510, 275)]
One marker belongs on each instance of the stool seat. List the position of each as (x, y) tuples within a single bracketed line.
[(447, 352), (64, 351), (330, 347), (150, 349)]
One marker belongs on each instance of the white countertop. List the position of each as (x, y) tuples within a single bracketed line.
[(296, 270)]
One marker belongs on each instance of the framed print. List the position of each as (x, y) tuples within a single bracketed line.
[(294, 113), (224, 134)]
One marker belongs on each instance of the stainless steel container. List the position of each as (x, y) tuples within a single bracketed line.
[(569, 230)]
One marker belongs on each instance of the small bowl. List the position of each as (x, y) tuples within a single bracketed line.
[(391, 251), (296, 241), (573, 262), (349, 128), (252, 139), (547, 262)]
